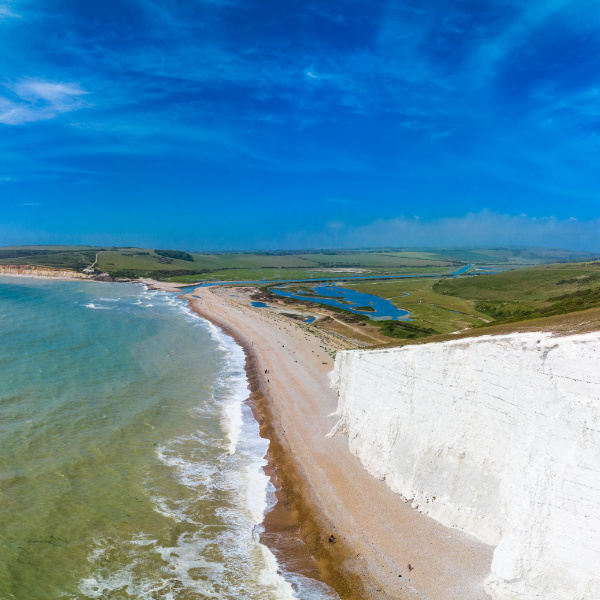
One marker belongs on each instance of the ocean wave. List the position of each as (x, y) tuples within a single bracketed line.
[(95, 307), (228, 565), (132, 579), (190, 473)]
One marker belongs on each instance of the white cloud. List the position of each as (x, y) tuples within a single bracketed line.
[(6, 12), (483, 229), (55, 93), (39, 100)]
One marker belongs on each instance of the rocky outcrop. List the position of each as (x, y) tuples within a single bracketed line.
[(497, 436), (32, 271)]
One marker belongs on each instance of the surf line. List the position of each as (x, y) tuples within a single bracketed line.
[(293, 515)]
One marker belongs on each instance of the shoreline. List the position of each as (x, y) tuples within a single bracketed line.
[(49, 277), (291, 530), (322, 488)]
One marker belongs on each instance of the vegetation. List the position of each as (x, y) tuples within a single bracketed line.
[(468, 303), (175, 254), (428, 309), (404, 330), (16, 253), (561, 305), (525, 290), (504, 310), (530, 293), (76, 259)]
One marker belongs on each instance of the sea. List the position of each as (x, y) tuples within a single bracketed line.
[(130, 462)]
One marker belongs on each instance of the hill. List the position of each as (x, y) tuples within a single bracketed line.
[(180, 266)]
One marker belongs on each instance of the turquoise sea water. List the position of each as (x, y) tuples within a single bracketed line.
[(130, 465)]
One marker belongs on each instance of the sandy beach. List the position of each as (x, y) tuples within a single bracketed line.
[(325, 490)]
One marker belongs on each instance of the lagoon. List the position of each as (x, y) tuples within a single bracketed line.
[(374, 307)]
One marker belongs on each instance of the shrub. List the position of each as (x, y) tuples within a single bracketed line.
[(175, 254)]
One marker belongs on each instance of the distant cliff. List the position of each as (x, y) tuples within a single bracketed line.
[(32, 271), (498, 436)]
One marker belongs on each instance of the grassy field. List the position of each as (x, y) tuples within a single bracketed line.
[(75, 258), (534, 285), (274, 274), (583, 321), (374, 259), (454, 304), (427, 307), (252, 267), (525, 291), (530, 293), (241, 266)]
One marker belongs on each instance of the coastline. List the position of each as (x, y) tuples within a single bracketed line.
[(47, 277), (322, 488)]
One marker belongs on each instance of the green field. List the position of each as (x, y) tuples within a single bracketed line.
[(129, 262), (427, 307), (453, 304), (536, 283), (530, 293), (75, 258)]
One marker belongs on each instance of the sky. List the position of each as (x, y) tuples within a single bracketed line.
[(263, 124)]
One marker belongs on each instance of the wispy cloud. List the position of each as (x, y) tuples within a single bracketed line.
[(38, 100), (483, 229), (459, 104), (7, 11)]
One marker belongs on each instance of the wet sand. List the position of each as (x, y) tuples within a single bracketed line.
[(324, 489)]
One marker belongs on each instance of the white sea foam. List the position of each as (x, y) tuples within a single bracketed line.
[(242, 567), (256, 491), (178, 514), (190, 473), (180, 560), (233, 384), (270, 578), (95, 307)]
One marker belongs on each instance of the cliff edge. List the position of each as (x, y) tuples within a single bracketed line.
[(46, 272), (497, 436)]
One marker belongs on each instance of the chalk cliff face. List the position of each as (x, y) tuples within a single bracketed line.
[(498, 436), (40, 272)]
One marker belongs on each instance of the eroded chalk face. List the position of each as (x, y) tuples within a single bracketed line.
[(497, 436)]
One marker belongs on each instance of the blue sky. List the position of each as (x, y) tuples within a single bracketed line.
[(222, 124)]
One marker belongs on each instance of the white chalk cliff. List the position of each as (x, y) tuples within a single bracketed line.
[(498, 436), (32, 271)]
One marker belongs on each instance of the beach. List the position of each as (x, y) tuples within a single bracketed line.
[(324, 490)]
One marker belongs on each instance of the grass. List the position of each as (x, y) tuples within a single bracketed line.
[(273, 266), (534, 286), (375, 259), (273, 274), (253, 267), (73, 260), (438, 306), (539, 292), (454, 304), (428, 308), (584, 321)]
